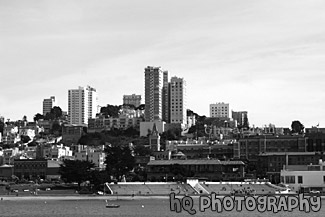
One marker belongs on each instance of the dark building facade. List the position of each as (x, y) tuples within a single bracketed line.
[(214, 170), (250, 148)]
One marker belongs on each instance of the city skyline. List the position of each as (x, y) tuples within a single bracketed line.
[(264, 57)]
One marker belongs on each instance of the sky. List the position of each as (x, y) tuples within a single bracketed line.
[(266, 57)]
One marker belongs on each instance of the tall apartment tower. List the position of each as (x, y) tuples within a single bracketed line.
[(156, 87), (82, 105), (178, 102), (48, 104), (132, 100), (219, 110)]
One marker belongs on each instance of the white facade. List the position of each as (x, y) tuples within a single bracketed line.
[(10, 134), (82, 105), (218, 110), (178, 101), (311, 176), (48, 104), (96, 157), (56, 152)]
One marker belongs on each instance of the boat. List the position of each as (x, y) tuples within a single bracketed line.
[(112, 205), (286, 191)]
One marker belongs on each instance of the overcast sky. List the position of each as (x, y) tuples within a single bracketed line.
[(265, 57)]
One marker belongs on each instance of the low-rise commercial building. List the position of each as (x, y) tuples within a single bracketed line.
[(214, 170), (305, 178)]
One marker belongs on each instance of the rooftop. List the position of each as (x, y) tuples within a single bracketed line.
[(194, 162)]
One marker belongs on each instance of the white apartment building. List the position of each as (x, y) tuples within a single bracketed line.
[(82, 105), (48, 104), (178, 100), (219, 110), (132, 100)]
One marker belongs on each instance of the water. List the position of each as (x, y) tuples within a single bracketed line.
[(141, 207)]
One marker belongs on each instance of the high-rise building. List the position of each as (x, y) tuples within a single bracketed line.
[(165, 98), (241, 118), (82, 105), (156, 85), (219, 110), (48, 104), (132, 100), (178, 101)]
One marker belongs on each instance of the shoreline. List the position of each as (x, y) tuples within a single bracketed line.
[(100, 197), (81, 197)]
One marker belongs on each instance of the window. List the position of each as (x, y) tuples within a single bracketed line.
[(323, 179), (290, 180), (300, 181)]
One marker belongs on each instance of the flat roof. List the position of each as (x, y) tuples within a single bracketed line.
[(194, 162), (288, 153)]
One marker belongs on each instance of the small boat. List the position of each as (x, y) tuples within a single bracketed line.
[(112, 205)]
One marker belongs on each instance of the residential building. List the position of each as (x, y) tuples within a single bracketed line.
[(10, 134), (53, 151), (94, 156), (48, 104), (132, 100), (241, 118), (9, 155), (178, 107), (71, 134), (220, 109), (127, 118), (82, 105), (156, 92)]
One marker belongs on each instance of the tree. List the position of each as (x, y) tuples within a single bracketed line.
[(119, 160), (141, 107), (297, 127), (38, 116), (98, 178), (111, 110), (57, 112), (25, 138), (76, 171), (56, 128), (141, 150)]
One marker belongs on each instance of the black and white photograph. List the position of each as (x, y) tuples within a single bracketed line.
[(162, 108)]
